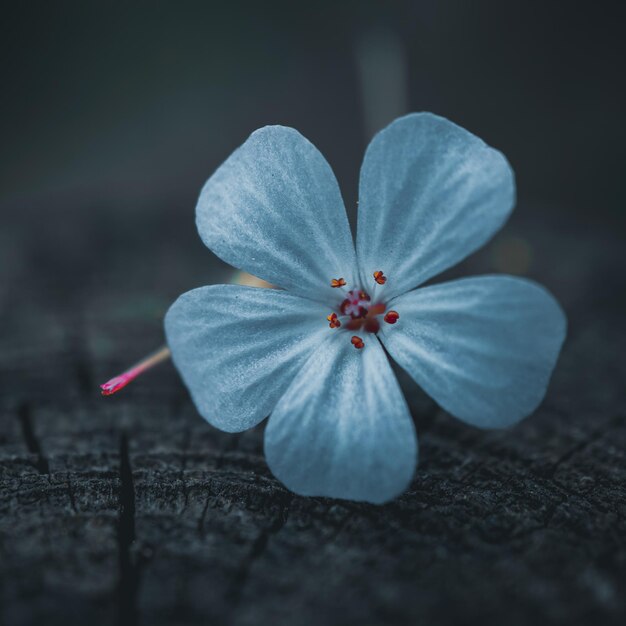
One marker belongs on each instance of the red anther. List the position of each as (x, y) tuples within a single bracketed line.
[(337, 282), (357, 342), (379, 277), (364, 296), (333, 322), (392, 317)]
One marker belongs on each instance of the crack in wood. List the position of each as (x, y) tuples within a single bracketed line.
[(128, 566), (31, 440), (350, 514), (594, 436), (259, 545), (81, 361), (70, 493), (203, 515), (183, 466)]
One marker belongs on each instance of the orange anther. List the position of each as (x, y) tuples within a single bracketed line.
[(333, 322), (357, 342), (392, 317), (337, 282), (379, 277)]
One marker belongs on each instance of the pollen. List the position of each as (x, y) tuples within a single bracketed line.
[(337, 282), (379, 277), (357, 342), (333, 322), (391, 317)]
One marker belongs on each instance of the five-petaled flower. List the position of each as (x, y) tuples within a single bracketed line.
[(310, 354)]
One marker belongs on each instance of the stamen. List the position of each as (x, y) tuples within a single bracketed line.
[(337, 282), (119, 382), (333, 322), (391, 317), (357, 342), (379, 277)]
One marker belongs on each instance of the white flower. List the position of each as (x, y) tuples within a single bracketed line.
[(310, 355)]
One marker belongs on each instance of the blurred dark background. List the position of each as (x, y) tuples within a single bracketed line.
[(150, 97), (132, 509)]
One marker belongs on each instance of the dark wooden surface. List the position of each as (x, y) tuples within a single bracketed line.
[(133, 510)]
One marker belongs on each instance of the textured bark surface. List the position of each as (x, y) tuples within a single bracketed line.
[(133, 510)]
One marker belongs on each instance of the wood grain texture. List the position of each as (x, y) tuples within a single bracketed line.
[(133, 510)]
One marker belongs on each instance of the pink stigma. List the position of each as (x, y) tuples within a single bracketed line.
[(119, 382)]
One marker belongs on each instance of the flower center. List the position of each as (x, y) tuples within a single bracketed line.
[(360, 310), (356, 305)]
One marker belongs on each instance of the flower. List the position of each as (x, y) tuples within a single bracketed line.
[(310, 355)]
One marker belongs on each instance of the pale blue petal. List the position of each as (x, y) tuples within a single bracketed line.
[(274, 209), (430, 194), (343, 429), (238, 348), (484, 348)]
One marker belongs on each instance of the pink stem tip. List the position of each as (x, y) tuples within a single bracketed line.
[(119, 382)]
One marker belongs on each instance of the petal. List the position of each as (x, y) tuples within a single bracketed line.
[(343, 428), (274, 209), (430, 194), (482, 347), (238, 348)]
